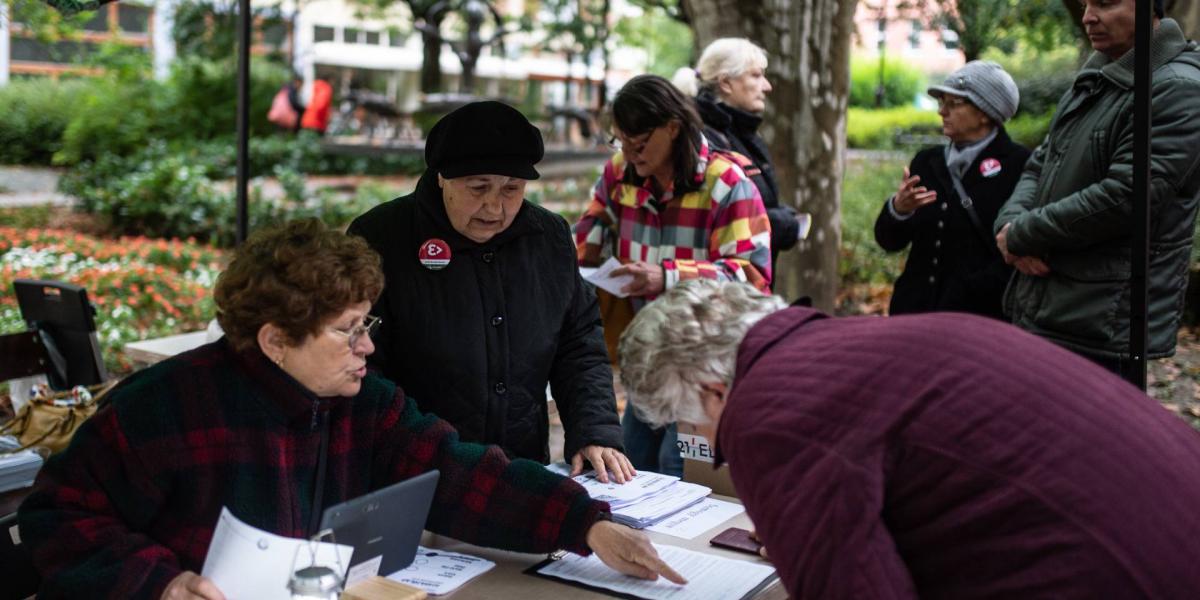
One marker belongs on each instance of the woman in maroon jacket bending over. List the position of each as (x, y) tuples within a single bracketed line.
[(932, 456)]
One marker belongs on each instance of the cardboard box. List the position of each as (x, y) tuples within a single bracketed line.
[(698, 454)]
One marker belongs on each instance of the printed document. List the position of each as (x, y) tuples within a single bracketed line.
[(709, 577), (695, 520), (440, 572), (248, 563), (602, 277)]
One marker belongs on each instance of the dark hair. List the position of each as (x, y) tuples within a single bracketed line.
[(648, 102), (1159, 10), (297, 276)]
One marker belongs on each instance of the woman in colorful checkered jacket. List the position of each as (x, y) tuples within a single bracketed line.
[(669, 208)]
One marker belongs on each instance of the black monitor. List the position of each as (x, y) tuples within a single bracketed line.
[(63, 317)]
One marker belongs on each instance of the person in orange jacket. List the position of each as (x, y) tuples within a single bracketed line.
[(316, 115)]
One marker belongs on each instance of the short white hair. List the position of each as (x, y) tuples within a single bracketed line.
[(727, 58), (685, 80), (686, 338)]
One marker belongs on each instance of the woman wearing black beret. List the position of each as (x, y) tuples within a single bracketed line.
[(483, 304)]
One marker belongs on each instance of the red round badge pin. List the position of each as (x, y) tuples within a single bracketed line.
[(434, 254), (990, 167)]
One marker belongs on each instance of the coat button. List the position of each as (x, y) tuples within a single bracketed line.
[(937, 243), (497, 321), (501, 388), (932, 279), (935, 261), (489, 257), (941, 224), (945, 206)]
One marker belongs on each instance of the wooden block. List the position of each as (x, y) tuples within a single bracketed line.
[(380, 588)]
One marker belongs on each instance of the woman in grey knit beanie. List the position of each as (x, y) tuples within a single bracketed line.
[(949, 196)]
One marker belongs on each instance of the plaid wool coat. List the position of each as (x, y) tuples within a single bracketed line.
[(135, 499)]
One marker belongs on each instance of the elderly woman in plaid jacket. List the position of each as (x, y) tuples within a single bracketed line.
[(669, 208), (276, 420)]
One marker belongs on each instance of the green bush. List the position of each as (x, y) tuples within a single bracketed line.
[(901, 83), (113, 118), (189, 192), (1029, 129), (202, 98), (879, 129), (868, 182), (34, 114)]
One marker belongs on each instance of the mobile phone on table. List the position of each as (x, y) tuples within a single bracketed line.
[(736, 538)]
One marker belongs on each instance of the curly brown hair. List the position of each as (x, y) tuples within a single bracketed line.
[(297, 276)]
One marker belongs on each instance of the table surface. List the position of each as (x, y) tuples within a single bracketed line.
[(507, 580), (152, 351)]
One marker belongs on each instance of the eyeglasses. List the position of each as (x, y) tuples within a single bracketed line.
[(369, 325), (947, 101), (630, 146)]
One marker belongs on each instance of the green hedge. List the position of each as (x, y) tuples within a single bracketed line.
[(34, 113), (1029, 129), (901, 83), (879, 129)]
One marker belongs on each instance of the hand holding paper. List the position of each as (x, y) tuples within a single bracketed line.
[(603, 277)]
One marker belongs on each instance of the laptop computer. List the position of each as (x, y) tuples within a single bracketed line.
[(385, 523)]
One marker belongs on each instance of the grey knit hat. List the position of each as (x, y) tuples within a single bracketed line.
[(986, 85)]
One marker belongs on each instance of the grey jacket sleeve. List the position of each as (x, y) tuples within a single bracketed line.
[(1101, 211), (581, 377)]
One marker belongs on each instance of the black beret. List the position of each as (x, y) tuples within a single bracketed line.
[(484, 138)]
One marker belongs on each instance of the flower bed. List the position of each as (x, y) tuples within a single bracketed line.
[(141, 288)]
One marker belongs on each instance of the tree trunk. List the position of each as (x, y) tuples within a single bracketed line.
[(808, 44), (431, 63)]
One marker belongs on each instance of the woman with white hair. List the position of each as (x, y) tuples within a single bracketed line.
[(730, 85), (876, 464)]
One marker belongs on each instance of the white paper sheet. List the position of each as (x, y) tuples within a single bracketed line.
[(695, 520), (708, 576), (248, 563), (644, 484), (670, 500), (440, 572), (602, 277)]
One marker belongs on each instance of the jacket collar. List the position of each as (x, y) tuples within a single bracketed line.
[(433, 209), (999, 148), (761, 338), (280, 393), (1167, 43), (724, 117)]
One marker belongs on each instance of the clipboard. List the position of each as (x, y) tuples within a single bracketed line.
[(535, 571)]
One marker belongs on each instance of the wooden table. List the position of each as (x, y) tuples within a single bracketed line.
[(507, 581), (151, 351)]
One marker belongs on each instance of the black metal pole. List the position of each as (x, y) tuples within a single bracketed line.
[(243, 120), (1140, 251)]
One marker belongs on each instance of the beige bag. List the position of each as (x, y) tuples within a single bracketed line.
[(51, 418)]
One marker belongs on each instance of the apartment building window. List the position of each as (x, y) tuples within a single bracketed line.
[(914, 36), (99, 20), (350, 35), (950, 39), (397, 39), (373, 38), (65, 51), (132, 18), (323, 34)]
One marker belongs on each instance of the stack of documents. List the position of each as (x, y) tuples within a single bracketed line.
[(644, 501), (19, 469)]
